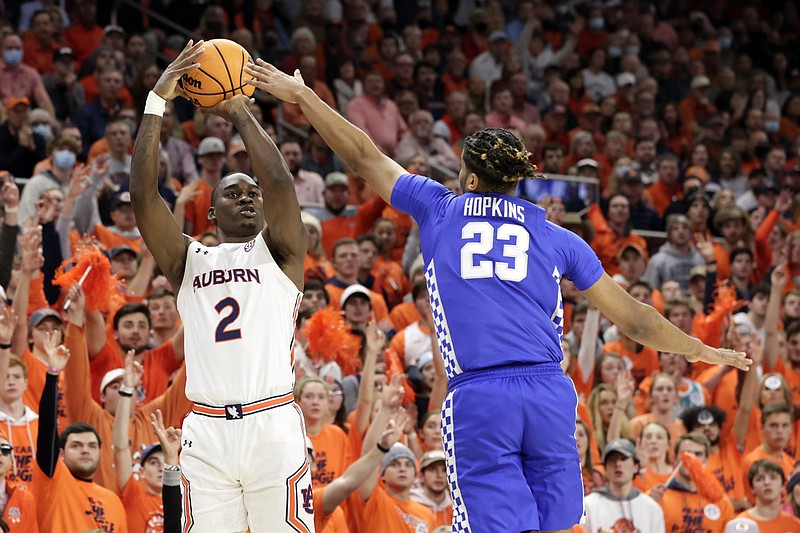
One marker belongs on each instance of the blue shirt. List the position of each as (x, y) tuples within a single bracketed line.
[(493, 264)]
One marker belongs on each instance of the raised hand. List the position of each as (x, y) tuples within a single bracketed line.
[(784, 201), (79, 181), (169, 438), (625, 387), (779, 276), (30, 242), (8, 321), (275, 82), (376, 339), (188, 192), (167, 85), (133, 371), (392, 393), (57, 354), (9, 192), (704, 246)]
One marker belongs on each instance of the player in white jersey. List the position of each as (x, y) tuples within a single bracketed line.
[(243, 457)]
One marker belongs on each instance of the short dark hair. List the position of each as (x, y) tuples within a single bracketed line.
[(129, 309), (760, 288), (498, 157), (640, 283), (344, 241), (77, 427), (160, 292), (369, 237), (775, 409), (552, 147), (689, 416), (767, 466), (736, 252), (317, 286), (420, 287)]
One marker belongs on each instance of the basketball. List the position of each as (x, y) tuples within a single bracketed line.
[(220, 75)]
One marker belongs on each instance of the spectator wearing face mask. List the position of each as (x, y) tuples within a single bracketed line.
[(18, 80), (56, 171)]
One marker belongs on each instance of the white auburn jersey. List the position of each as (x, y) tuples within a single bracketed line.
[(238, 311)]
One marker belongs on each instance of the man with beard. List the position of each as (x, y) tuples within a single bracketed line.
[(724, 460), (131, 332), (619, 506), (307, 185), (434, 493), (64, 475)]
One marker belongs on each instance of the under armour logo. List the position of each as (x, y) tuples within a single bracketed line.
[(233, 412), (187, 443), (198, 250)]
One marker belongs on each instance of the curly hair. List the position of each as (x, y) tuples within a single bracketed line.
[(499, 158)]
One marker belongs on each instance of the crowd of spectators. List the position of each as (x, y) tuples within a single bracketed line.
[(669, 131)]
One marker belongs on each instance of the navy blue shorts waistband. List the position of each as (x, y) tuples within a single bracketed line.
[(507, 371)]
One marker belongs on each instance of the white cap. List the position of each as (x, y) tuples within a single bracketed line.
[(354, 289), (588, 162), (110, 377), (741, 525), (700, 81), (310, 220), (625, 78), (211, 145)]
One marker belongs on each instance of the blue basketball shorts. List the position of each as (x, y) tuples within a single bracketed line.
[(512, 459)]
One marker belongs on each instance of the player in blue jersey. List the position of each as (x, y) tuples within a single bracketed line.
[(493, 266)]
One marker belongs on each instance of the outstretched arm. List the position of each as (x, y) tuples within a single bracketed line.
[(284, 232), (646, 326), (350, 143), (122, 419), (159, 229)]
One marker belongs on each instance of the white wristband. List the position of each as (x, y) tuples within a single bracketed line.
[(155, 105)]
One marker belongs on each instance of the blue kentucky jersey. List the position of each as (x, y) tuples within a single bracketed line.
[(493, 264)]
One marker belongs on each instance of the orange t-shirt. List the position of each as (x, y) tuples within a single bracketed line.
[(659, 195), (173, 404), (145, 511), (331, 453), (378, 303), (21, 509), (404, 315), (675, 428), (725, 465), (607, 245), (91, 90), (23, 438), (783, 523), (340, 227), (196, 210), (390, 277), (69, 504), (647, 479), (792, 377), (111, 239), (642, 363), (83, 41), (688, 511), (387, 514), (317, 269), (37, 374), (786, 462), (334, 522)]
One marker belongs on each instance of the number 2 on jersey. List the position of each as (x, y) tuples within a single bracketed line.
[(515, 251), (223, 334)]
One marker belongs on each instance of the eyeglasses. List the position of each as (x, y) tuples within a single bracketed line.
[(6, 449)]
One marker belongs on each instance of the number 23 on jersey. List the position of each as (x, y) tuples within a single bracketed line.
[(515, 241)]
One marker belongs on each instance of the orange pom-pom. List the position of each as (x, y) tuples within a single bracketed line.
[(394, 366), (707, 485), (104, 292), (330, 339)]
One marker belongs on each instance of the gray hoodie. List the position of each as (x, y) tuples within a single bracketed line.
[(670, 264)]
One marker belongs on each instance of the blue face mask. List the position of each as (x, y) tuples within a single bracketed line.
[(64, 159), (596, 23), (12, 57), (772, 126), (633, 50), (44, 130), (725, 42), (614, 51)]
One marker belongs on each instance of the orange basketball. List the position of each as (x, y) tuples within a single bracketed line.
[(220, 75)]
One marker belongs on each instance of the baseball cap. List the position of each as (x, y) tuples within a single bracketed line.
[(698, 194), (625, 78), (498, 36), (64, 51), (621, 446), (698, 172), (431, 457), (336, 178), (110, 377), (766, 189), (700, 81), (311, 220), (631, 175), (396, 452), (744, 326), (14, 101), (211, 145), (122, 248), (698, 271), (150, 450), (632, 246), (742, 525), (113, 28), (727, 213), (120, 198), (773, 382), (41, 314), (588, 162), (236, 146), (352, 290), (424, 359)]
